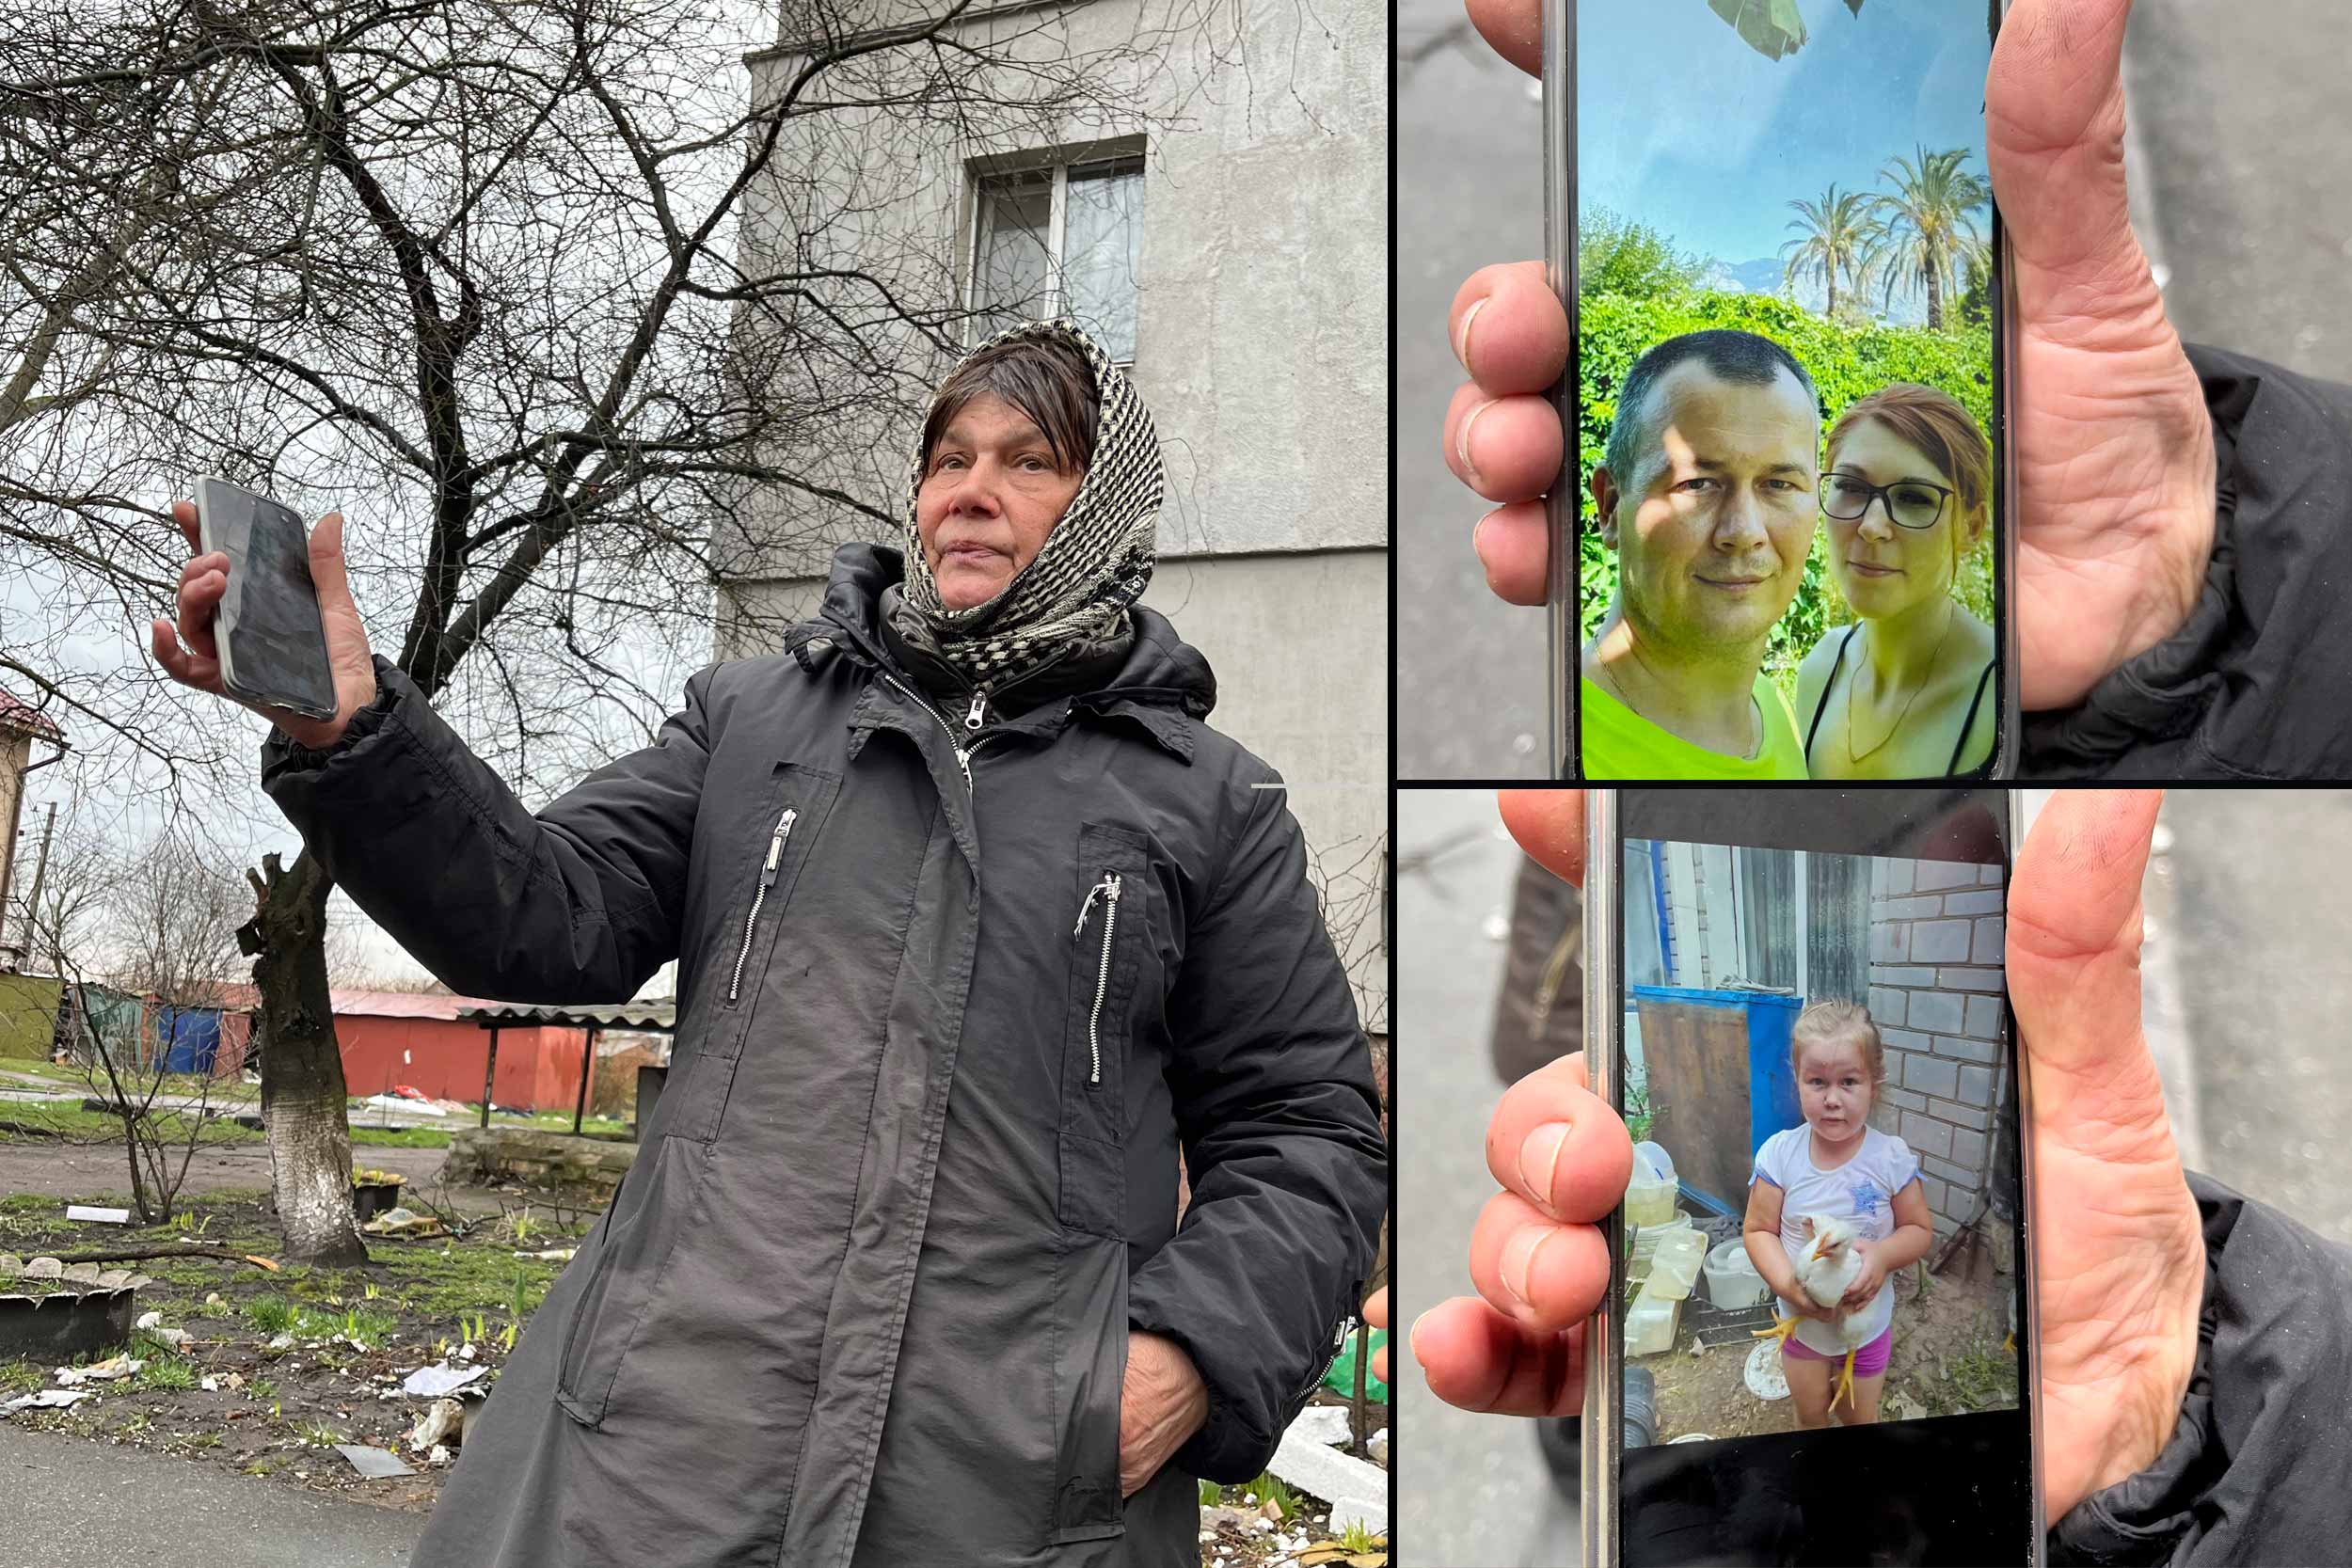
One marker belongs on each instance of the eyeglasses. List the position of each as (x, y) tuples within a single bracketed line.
[(1910, 503)]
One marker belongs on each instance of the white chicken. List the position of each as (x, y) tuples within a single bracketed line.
[(1827, 1266)]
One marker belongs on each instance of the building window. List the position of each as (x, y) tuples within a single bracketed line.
[(1060, 239)]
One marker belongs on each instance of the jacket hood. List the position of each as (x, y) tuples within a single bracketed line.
[(1161, 670)]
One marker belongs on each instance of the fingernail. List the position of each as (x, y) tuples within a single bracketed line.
[(1519, 1254), (1539, 1160), (1461, 333), (1413, 1335), (1461, 441)]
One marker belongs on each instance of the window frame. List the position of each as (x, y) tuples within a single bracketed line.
[(1062, 163)]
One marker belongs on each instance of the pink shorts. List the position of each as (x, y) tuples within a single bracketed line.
[(1870, 1362)]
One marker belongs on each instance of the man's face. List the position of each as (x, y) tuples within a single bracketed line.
[(990, 493), (1712, 532)]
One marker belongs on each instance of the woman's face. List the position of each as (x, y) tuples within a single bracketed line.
[(1881, 568), (990, 493)]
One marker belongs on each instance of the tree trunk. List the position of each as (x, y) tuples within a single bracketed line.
[(1832, 311), (303, 1099), (1935, 299)]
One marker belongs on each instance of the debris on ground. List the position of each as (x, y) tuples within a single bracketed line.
[(97, 1216), (48, 1398), (405, 1222), (442, 1423), (112, 1369), (439, 1379), (374, 1464)]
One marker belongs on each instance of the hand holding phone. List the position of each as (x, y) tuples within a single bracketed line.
[(2120, 1252), (191, 653)]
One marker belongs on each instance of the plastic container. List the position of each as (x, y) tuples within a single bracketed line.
[(1732, 1281), (1659, 1162), (1674, 1268), (1646, 1238), (1650, 1323), (1650, 1199)]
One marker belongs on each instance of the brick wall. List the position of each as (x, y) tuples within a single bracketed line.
[(1936, 994)]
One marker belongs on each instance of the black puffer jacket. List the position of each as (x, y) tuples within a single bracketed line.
[(948, 1004), (2251, 686)]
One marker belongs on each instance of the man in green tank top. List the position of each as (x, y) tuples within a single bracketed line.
[(1707, 492)]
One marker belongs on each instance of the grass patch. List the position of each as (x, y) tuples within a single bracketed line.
[(271, 1314), (400, 1137), (276, 1315), (443, 1283), (23, 1375), (174, 1373)]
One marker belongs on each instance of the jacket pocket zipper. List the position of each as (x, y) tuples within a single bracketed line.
[(767, 880), (1107, 890)]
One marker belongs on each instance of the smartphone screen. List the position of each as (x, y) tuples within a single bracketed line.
[(1779, 524), (1815, 1061), (273, 645)]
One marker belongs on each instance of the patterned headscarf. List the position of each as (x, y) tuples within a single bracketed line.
[(1094, 564)]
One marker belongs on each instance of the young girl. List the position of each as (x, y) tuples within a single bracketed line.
[(1836, 1165)]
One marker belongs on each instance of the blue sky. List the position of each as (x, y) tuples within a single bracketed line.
[(1684, 127)]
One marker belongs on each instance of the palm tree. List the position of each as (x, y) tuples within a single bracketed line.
[(1835, 240), (1925, 234)]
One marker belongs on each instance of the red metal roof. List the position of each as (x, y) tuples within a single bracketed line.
[(376, 1004), (22, 717)]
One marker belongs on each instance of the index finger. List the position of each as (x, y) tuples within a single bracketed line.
[(1514, 27), (183, 513)]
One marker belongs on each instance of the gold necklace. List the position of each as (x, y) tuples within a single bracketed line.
[(1853, 690)]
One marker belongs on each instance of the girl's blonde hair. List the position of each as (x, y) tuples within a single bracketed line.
[(1839, 1023)]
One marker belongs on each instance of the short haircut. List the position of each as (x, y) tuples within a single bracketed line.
[(1838, 1023), (1933, 422), (1049, 383), (1743, 359)]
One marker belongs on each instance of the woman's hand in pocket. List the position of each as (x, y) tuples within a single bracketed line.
[(1162, 1403)]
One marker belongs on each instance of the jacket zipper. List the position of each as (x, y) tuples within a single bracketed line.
[(978, 714), (1339, 1348), (767, 880), (964, 752), (1107, 890)]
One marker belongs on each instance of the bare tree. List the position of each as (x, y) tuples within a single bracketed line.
[(463, 267)]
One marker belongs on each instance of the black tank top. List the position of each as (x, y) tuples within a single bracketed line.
[(1827, 687)]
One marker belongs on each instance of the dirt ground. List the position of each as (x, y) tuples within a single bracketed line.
[(301, 1359), (55, 1169), (1946, 1358)]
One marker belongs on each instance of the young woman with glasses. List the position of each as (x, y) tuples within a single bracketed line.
[(1905, 692)]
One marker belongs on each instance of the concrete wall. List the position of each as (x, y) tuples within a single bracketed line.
[(1262, 349), (1936, 994)]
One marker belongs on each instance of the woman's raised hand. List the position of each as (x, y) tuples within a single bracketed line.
[(191, 656)]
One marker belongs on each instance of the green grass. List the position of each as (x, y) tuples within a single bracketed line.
[(23, 1375), (271, 1314), (168, 1372)]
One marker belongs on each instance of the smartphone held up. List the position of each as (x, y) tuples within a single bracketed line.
[(270, 636), (1816, 1343), (1780, 532)]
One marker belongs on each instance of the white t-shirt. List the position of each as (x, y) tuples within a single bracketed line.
[(1863, 1188)]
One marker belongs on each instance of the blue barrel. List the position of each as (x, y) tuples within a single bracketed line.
[(1771, 1085)]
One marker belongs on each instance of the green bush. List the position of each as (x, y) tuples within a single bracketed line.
[(1846, 362)]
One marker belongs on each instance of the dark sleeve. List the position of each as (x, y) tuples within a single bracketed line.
[(1273, 1090), (2252, 685), (578, 903), (2260, 1468)]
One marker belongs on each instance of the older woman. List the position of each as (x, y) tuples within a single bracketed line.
[(976, 920), (1906, 692)]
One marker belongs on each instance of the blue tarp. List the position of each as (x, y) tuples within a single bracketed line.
[(192, 1036)]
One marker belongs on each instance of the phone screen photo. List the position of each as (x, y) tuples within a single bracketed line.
[(1779, 531), (273, 645), (1813, 1053)]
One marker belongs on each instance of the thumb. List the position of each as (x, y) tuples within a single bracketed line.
[(2054, 144), (327, 578), (2073, 972)]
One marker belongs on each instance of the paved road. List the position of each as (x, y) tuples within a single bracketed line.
[(67, 1502), (2241, 190)]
